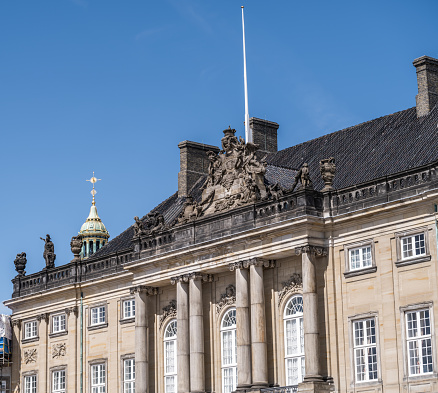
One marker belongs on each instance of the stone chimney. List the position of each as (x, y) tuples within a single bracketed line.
[(427, 79), (264, 134), (193, 164)]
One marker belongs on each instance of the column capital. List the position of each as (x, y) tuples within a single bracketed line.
[(16, 322), (150, 291), (246, 263), (192, 276), (43, 316), (69, 310), (316, 251)]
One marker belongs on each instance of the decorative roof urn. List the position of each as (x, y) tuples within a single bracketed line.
[(20, 263), (76, 247), (328, 170)]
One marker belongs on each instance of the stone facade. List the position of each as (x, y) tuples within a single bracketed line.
[(360, 262)]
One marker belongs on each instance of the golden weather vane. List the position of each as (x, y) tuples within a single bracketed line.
[(93, 180)]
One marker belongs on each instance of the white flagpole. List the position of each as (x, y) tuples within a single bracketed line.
[(248, 131)]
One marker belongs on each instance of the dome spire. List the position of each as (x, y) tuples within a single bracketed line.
[(93, 180)]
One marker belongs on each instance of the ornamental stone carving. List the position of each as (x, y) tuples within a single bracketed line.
[(293, 285), (150, 291), (235, 178), (20, 263), (30, 355), (192, 276), (76, 246), (59, 350), (149, 225), (227, 299), (303, 176), (42, 317), (69, 310), (245, 264), (313, 250), (327, 168), (168, 312)]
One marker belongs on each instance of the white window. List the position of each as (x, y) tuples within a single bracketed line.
[(58, 323), (294, 340), (170, 369), (30, 384), (419, 342), (3, 386), (97, 315), (98, 378), (229, 351), (129, 308), (360, 257), (129, 376), (365, 350), (413, 246), (30, 329), (58, 381)]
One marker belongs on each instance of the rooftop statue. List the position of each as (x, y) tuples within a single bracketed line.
[(49, 252), (149, 225), (20, 263), (303, 177), (76, 246)]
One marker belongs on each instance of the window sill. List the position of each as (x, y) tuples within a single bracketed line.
[(421, 377), (364, 384), (413, 261), (96, 327), (29, 340), (58, 334), (127, 320), (359, 272)]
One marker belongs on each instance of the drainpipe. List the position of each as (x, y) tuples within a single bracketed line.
[(82, 353)]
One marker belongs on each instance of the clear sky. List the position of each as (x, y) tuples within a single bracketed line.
[(113, 86)]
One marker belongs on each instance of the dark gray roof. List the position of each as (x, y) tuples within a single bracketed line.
[(367, 151)]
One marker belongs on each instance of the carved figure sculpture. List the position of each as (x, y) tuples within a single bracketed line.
[(274, 192), (49, 252), (20, 263), (138, 227), (328, 170), (76, 246), (303, 177)]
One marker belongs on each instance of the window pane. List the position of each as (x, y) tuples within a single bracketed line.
[(420, 248)]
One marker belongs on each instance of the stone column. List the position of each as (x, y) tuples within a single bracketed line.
[(71, 314), (310, 311), (141, 336), (16, 354), (243, 333), (259, 359), (183, 337), (197, 372)]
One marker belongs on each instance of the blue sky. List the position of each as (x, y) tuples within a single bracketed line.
[(113, 86)]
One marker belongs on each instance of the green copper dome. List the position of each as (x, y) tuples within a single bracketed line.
[(93, 225)]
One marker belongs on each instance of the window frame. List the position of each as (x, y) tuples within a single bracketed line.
[(400, 236), (52, 324), (26, 338), (351, 320), (30, 374), (168, 339), (285, 319), (100, 324), (222, 330), (123, 318), (349, 272), (95, 363), (127, 358), (403, 315), (58, 370)]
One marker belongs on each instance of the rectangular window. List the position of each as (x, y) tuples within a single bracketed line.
[(3, 386), (419, 342), (413, 246), (58, 323), (58, 381), (30, 329), (30, 384), (129, 308), (129, 376), (98, 378), (365, 350), (360, 257), (97, 315)]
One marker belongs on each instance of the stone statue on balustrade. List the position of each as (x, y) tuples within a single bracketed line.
[(49, 252), (303, 177)]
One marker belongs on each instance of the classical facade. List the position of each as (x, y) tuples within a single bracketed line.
[(308, 269)]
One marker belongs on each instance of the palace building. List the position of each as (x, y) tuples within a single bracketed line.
[(309, 269)]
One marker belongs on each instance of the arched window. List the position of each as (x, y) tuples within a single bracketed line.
[(294, 340), (229, 351), (170, 370)]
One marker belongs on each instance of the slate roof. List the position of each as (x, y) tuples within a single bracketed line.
[(367, 151)]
